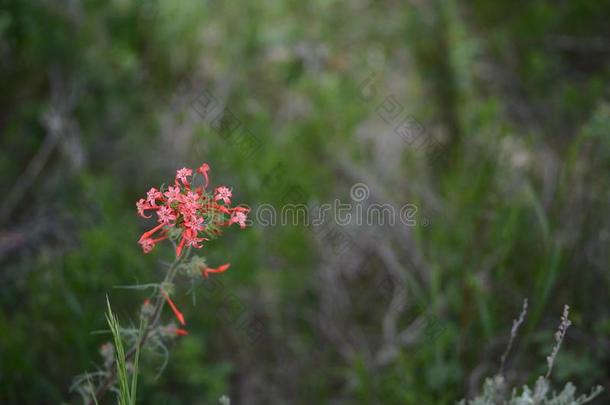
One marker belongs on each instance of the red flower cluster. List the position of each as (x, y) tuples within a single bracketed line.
[(188, 214)]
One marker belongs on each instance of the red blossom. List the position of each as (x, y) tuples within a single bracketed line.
[(147, 244), (193, 212), (180, 247), (206, 270), (203, 169), (171, 304), (180, 332), (239, 216), (182, 174), (166, 215), (173, 194), (223, 193), (152, 196)]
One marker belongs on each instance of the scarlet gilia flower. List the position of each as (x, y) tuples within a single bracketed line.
[(152, 196), (171, 304), (239, 215), (203, 169), (180, 332), (206, 270), (182, 174), (192, 211), (223, 193)]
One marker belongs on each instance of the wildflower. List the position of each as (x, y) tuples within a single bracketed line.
[(182, 174), (190, 202), (188, 211), (180, 332), (219, 269), (180, 247), (223, 193), (152, 196), (149, 233), (195, 223), (189, 236), (142, 206), (222, 208), (147, 244), (166, 215), (203, 169), (171, 304), (239, 217), (173, 194)]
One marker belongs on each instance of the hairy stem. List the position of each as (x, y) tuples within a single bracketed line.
[(150, 324)]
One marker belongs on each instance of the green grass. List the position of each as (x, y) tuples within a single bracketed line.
[(127, 374)]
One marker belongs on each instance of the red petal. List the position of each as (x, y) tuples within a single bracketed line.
[(219, 269), (179, 248), (181, 332)]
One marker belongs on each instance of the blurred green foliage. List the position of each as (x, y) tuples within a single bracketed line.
[(517, 197)]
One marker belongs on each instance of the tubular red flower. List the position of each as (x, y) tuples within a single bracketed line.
[(148, 234), (171, 304), (219, 269), (179, 247), (203, 169), (160, 239), (181, 332), (147, 244)]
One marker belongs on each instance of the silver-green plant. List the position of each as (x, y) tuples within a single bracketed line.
[(496, 391)]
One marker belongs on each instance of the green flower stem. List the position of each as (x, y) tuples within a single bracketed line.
[(150, 323)]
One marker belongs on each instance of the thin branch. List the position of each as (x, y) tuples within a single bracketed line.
[(513, 334)]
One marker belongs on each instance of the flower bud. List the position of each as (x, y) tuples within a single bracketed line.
[(147, 309), (107, 353)]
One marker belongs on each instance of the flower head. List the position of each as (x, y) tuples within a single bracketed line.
[(166, 215), (191, 211)]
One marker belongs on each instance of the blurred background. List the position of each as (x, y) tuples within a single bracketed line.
[(492, 119)]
